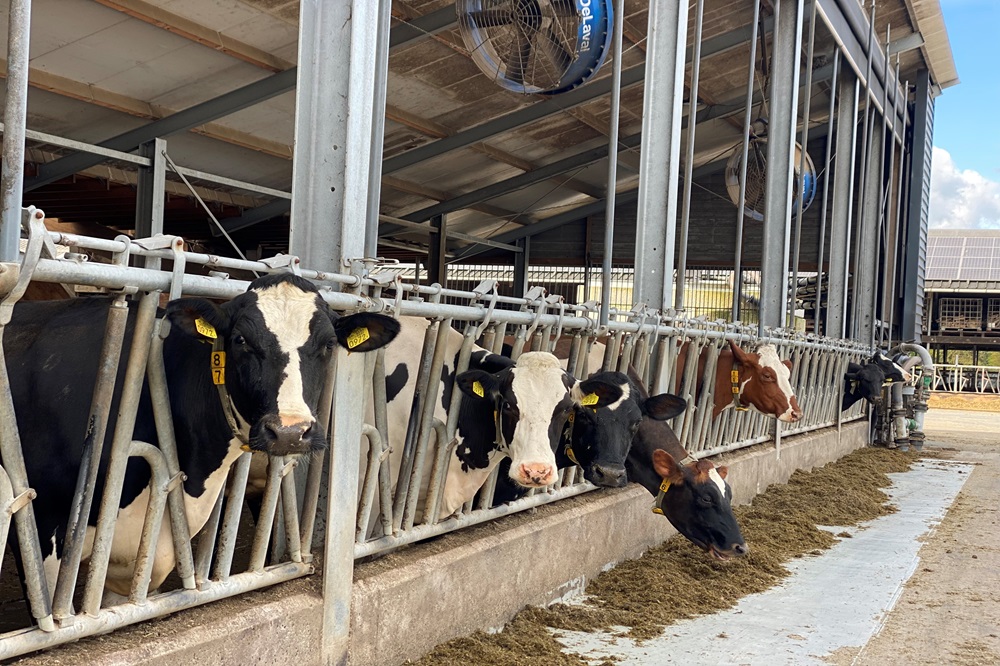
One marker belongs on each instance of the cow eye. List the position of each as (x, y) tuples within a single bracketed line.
[(239, 340), (705, 501), (331, 343)]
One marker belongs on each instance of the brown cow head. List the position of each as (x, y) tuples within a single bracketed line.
[(764, 383)]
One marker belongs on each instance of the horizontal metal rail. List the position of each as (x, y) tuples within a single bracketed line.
[(981, 379)]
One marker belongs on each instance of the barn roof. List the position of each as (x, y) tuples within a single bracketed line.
[(965, 260)]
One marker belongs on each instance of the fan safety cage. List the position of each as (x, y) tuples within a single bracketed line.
[(757, 178), (537, 46)]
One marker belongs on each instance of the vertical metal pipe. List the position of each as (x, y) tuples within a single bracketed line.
[(862, 182), (381, 76), (90, 461), (231, 517), (662, 106), (612, 183), (880, 216), (843, 204), (783, 95), (751, 75), (692, 129), (826, 191), (120, 444), (14, 125), (803, 152), (898, 231)]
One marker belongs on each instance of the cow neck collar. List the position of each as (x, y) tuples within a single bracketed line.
[(734, 377), (499, 441), (228, 409), (568, 438), (665, 486)]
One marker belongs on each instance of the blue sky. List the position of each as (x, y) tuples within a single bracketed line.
[(965, 188)]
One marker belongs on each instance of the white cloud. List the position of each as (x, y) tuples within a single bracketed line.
[(961, 199)]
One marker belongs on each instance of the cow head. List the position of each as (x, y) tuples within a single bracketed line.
[(893, 371), (601, 438), (764, 382), (698, 503), (532, 401), (278, 337), (863, 382)]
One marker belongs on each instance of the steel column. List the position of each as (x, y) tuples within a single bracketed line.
[(784, 96), (918, 202), (866, 262), (662, 104), (333, 132), (149, 195), (611, 185), (821, 252), (522, 260), (384, 17), (843, 202), (15, 123), (436, 259)]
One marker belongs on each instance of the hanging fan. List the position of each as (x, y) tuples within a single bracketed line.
[(757, 178), (537, 46)]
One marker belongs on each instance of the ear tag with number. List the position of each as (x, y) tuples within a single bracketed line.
[(205, 328), (478, 389), (218, 367), (589, 399), (357, 337)]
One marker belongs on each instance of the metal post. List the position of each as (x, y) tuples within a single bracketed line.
[(780, 148), (437, 270), (843, 203), (865, 161), (14, 124), (804, 144), (821, 252), (612, 182), (689, 154), (917, 207), (866, 262), (522, 260), (662, 105), (335, 94), (149, 195), (381, 76), (738, 262)]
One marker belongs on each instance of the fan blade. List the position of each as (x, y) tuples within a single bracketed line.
[(491, 18), (549, 44), (517, 59)]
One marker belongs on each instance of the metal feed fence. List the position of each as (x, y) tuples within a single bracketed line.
[(982, 379), (402, 511)]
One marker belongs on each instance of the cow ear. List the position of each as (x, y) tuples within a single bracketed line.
[(199, 318), (667, 467), (478, 385), (851, 376), (738, 353), (664, 406), (723, 471), (787, 363), (364, 331), (596, 393)]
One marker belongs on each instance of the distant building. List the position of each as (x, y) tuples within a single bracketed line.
[(962, 294)]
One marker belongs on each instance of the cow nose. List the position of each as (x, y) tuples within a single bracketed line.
[(536, 475), (609, 476), (741, 549), (284, 439)]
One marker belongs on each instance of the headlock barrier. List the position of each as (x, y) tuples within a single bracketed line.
[(401, 482)]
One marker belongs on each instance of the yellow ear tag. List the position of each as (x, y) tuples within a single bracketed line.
[(665, 486), (205, 328), (245, 447), (477, 388), (589, 399), (357, 337)]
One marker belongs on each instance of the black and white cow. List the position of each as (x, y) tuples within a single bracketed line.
[(278, 337), (865, 382), (531, 398)]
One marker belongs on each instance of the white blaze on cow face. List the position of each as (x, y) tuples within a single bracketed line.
[(539, 388), (769, 359), (287, 312), (717, 479)]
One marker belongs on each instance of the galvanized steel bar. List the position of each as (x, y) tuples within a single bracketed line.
[(370, 480), (612, 180), (231, 518), (15, 116), (380, 71), (780, 148), (692, 130), (803, 153), (90, 459), (265, 521), (159, 481), (843, 205), (866, 143), (662, 106), (834, 85), (206, 541), (120, 444)]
